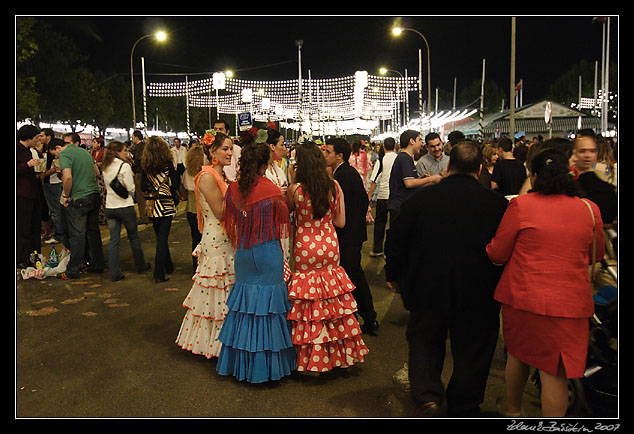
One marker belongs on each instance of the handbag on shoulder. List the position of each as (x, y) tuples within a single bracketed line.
[(117, 187)]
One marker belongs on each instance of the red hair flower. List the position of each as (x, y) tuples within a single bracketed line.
[(208, 139)]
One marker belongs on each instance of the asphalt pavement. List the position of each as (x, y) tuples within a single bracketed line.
[(91, 348)]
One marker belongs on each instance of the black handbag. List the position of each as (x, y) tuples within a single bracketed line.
[(117, 187)]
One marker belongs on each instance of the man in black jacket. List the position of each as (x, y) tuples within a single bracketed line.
[(436, 258), (354, 233)]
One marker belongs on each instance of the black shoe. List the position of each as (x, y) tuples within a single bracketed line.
[(370, 328), (146, 268), (157, 280), (116, 279), (430, 409)]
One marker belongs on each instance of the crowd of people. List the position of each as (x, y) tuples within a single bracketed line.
[(471, 233)]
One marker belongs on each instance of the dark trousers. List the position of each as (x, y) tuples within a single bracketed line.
[(82, 217), (350, 260), (192, 219), (380, 221), (162, 260), (28, 227), (473, 335)]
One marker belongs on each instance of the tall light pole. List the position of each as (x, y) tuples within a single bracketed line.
[(397, 31), (512, 84), (160, 36), (384, 71)]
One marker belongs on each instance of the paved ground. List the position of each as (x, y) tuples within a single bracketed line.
[(90, 348)]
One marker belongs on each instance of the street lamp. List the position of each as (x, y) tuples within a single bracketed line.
[(160, 36), (396, 31), (384, 71)]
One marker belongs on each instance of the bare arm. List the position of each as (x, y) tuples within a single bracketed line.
[(417, 182), (208, 187), (67, 183), (339, 219)]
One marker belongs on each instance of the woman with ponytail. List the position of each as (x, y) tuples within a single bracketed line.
[(215, 274), (546, 241), (119, 210), (256, 338)]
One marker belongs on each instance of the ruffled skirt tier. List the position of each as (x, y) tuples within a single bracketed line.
[(206, 305), (256, 336), (325, 332)]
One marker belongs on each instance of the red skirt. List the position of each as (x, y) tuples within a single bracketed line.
[(541, 341)]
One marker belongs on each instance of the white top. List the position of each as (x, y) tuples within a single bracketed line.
[(383, 180), (179, 155), (275, 174), (113, 200), (232, 170)]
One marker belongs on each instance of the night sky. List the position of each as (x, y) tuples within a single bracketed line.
[(261, 47)]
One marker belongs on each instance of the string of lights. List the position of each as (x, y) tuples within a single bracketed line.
[(343, 98)]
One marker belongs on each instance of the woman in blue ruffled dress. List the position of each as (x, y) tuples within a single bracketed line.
[(256, 337)]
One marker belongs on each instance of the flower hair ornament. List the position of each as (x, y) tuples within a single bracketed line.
[(209, 138)]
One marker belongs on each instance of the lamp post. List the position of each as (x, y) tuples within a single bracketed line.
[(160, 36), (397, 31), (384, 71)]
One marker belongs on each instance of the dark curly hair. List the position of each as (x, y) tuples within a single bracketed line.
[(313, 175), (252, 159), (553, 174)]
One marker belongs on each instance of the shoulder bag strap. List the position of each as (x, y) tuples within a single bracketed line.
[(594, 243)]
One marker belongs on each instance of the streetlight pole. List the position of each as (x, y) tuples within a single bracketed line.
[(160, 36), (397, 31), (384, 71)]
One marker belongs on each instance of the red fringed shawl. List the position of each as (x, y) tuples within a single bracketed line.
[(221, 185), (262, 217)]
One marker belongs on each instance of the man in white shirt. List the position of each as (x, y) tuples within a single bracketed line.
[(52, 186), (381, 178), (179, 153)]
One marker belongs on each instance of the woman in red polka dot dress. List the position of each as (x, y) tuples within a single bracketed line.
[(325, 331)]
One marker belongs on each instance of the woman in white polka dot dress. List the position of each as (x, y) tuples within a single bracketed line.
[(215, 275), (325, 331)]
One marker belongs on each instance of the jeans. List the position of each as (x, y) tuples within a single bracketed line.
[(82, 217), (116, 217), (162, 260), (52, 194)]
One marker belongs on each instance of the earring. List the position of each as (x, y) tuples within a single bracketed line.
[(214, 161)]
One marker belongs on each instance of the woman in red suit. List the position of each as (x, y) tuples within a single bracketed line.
[(545, 241)]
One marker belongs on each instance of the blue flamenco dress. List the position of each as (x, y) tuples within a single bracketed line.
[(256, 335)]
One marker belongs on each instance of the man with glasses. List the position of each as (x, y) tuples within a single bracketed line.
[(81, 200)]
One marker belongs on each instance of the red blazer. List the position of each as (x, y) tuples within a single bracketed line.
[(545, 242)]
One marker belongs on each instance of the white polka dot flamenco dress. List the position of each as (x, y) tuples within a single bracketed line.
[(325, 330), (213, 280)]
